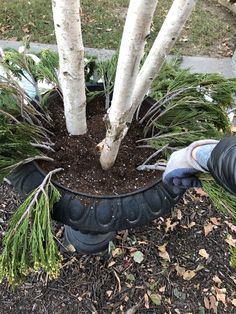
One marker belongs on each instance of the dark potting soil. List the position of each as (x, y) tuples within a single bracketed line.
[(79, 156)]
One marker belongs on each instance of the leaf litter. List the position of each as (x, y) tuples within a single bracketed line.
[(171, 277)]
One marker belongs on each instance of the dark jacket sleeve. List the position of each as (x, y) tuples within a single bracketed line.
[(222, 163)]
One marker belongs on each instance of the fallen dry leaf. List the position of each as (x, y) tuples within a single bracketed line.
[(215, 221), (180, 270), (117, 252), (162, 289), (233, 278), (233, 302), (230, 225), (163, 253), (210, 303), (213, 304), (208, 228), (179, 214), (231, 241), (206, 303), (192, 224), (221, 295), (26, 30), (200, 192), (162, 248), (169, 225), (189, 274), (146, 301), (203, 253), (184, 39), (109, 293), (111, 264), (142, 242), (216, 279), (189, 226)]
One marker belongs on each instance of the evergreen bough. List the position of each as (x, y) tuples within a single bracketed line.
[(29, 244), (224, 201), (189, 107)]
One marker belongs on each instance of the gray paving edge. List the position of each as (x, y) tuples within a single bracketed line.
[(37, 47), (196, 64)]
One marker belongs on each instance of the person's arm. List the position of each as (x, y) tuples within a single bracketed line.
[(222, 163), (219, 158)]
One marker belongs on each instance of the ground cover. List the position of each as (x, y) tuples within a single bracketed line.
[(178, 264)]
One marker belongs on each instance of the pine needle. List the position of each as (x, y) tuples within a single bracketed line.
[(29, 244)]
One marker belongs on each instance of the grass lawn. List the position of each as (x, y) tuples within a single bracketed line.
[(210, 30)]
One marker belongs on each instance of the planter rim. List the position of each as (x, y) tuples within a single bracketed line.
[(97, 196)]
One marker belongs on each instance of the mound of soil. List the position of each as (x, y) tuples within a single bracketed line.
[(79, 156)]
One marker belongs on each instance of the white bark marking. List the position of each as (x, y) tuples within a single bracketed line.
[(137, 28), (66, 15), (170, 30)]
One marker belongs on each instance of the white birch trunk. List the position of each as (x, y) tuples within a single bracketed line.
[(66, 15), (137, 28), (166, 38)]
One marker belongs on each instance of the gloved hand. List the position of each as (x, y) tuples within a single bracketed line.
[(182, 167)]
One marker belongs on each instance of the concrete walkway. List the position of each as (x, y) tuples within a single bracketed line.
[(199, 64), (37, 47)]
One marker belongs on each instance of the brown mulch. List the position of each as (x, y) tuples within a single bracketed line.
[(79, 155), (176, 275)]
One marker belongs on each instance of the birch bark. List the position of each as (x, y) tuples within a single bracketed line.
[(66, 16), (137, 28), (166, 38)]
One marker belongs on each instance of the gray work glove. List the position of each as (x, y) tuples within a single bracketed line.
[(182, 167)]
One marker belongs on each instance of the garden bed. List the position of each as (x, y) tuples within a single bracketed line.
[(175, 275)]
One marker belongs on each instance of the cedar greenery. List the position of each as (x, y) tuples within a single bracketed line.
[(16, 146), (29, 243), (17, 63), (106, 72), (189, 107), (224, 201), (22, 133), (21, 129)]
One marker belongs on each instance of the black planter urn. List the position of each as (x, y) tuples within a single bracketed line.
[(92, 220)]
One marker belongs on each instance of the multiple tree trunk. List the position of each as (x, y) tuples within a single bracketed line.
[(165, 40), (131, 85), (137, 28)]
